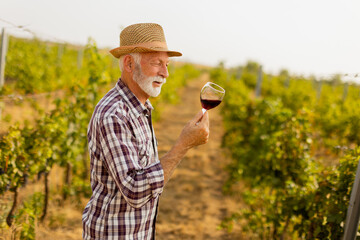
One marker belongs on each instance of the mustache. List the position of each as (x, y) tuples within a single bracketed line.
[(157, 79)]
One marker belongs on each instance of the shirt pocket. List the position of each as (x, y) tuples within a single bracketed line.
[(144, 152)]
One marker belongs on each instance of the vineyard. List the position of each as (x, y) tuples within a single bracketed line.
[(297, 150), (293, 141)]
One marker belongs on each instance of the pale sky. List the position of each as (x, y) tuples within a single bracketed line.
[(319, 37)]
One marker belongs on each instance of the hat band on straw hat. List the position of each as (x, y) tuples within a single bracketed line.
[(148, 45)]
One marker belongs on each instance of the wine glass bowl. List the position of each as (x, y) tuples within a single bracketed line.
[(211, 96)]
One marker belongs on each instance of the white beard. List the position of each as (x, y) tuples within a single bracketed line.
[(146, 83)]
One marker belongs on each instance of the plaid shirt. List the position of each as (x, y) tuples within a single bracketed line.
[(126, 175)]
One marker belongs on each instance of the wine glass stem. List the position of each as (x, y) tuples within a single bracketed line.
[(204, 111)]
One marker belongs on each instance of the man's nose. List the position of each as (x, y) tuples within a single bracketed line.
[(164, 72)]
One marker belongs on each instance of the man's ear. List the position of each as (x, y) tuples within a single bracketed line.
[(128, 63)]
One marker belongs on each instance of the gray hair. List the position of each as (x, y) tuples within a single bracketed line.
[(136, 56)]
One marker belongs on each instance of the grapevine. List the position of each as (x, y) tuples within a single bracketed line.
[(274, 142)]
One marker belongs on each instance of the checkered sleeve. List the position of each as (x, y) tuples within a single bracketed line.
[(136, 183)]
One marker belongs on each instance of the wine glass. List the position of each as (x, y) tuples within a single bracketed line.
[(211, 96)]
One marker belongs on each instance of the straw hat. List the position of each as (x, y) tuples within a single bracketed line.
[(142, 37)]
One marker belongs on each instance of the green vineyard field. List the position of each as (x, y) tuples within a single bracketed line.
[(294, 147)]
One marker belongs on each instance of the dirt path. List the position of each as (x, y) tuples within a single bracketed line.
[(192, 205)]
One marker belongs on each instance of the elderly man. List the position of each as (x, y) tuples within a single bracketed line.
[(127, 176)]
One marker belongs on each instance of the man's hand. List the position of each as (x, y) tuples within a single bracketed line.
[(196, 131)]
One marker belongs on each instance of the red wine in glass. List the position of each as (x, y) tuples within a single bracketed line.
[(211, 96), (209, 104)]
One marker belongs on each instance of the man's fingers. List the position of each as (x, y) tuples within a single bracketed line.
[(197, 117), (205, 119)]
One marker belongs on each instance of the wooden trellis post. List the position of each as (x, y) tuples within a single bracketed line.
[(80, 57), (318, 89), (259, 82), (4, 43), (345, 92), (353, 212)]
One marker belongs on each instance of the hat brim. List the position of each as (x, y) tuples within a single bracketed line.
[(119, 51)]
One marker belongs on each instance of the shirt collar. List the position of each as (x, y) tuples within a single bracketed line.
[(129, 97)]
